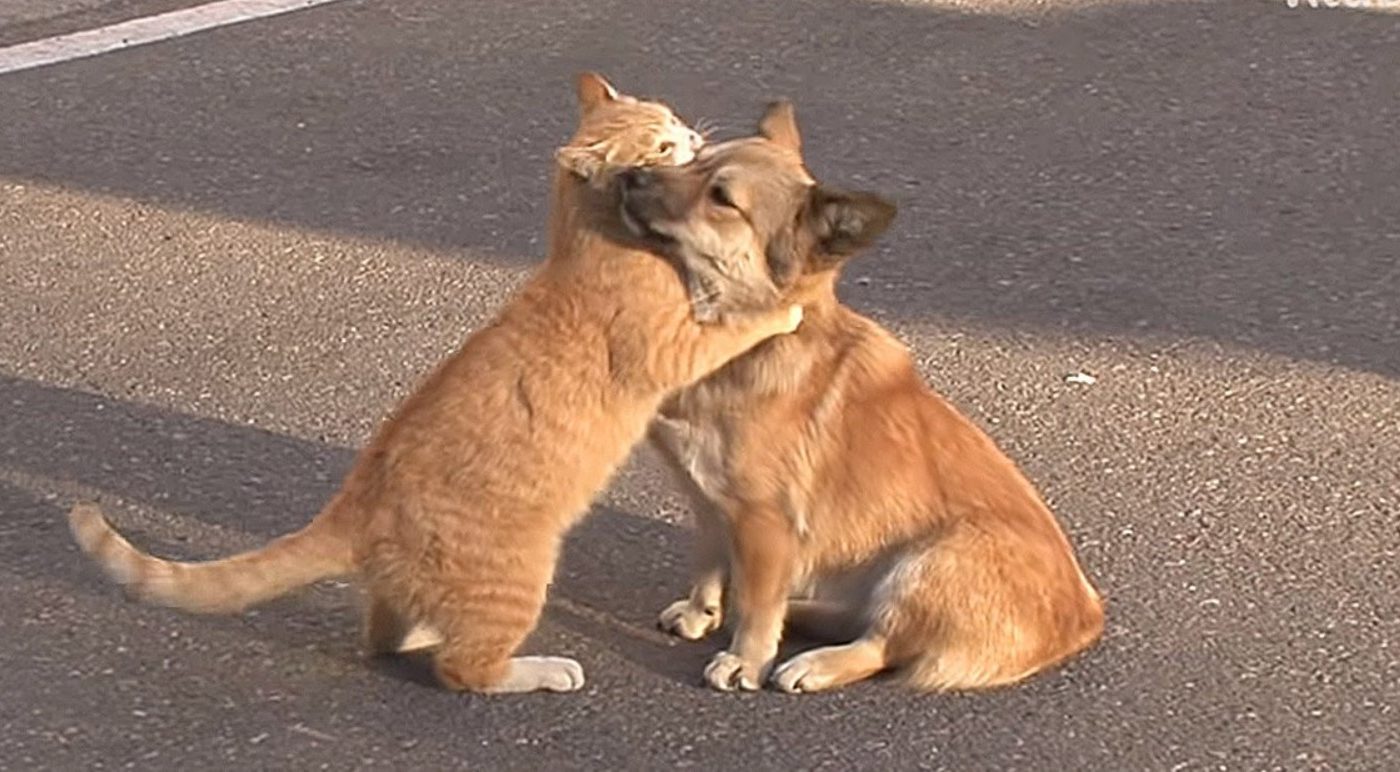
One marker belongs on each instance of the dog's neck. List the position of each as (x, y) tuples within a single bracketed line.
[(816, 293)]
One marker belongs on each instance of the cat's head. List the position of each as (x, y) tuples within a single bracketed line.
[(618, 130)]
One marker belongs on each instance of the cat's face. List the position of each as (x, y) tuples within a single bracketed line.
[(618, 130)]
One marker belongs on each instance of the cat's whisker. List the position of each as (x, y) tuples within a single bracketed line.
[(708, 127), (713, 127)]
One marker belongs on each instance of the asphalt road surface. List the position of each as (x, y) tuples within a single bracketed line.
[(224, 257)]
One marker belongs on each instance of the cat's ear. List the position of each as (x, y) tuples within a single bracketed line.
[(779, 125), (593, 90), (580, 161)]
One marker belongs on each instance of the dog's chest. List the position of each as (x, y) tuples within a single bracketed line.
[(700, 449), (710, 428)]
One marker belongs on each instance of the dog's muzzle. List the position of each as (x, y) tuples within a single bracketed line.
[(637, 179), (635, 183)]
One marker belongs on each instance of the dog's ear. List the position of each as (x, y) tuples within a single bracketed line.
[(779, 126), (843, 223), (593, 90)]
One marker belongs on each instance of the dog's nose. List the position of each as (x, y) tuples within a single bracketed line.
[(636, 178)]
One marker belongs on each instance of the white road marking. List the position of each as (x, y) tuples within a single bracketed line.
[(138, 32)]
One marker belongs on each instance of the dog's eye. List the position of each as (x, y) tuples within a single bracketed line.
[(720, 195), (665, 148)]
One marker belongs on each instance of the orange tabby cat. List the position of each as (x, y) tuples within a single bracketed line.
[(454, 513)]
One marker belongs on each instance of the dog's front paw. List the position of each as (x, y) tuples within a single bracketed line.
[(728, 671), (686, 620)]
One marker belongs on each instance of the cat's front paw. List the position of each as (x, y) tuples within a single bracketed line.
[(728, 672), (794, 318), (687, 620), (704, 299)]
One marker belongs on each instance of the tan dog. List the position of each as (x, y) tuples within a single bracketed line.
[(820, 463), (454, 513)]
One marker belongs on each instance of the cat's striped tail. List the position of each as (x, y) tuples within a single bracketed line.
[(319, 551)]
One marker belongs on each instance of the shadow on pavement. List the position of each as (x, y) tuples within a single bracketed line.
[(199, 489), (1215, 170), (1210, 637)]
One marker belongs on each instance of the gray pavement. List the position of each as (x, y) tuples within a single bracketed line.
[(223, 258)]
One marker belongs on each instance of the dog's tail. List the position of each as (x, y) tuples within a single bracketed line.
[(319, 551)]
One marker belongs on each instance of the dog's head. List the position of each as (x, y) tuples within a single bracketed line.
[(618, 130), (748, 208)]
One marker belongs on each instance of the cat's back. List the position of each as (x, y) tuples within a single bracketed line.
[(523, 374)]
